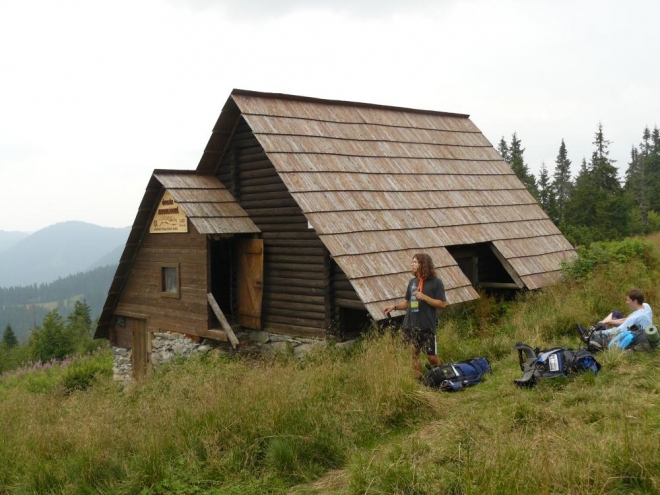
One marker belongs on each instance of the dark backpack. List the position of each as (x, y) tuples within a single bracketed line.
[(634, 339), (457, 376), (551, 363)]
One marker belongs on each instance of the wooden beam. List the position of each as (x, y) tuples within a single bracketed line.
[(507, 266), (498, 285), (223, 321), (350, 303)]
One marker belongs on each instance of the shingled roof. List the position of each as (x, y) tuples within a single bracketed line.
[(381, 183)]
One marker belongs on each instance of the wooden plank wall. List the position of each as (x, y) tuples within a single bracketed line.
[(297, 298), (142, 296)]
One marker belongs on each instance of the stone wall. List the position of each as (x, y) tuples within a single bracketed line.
[(122, 365), (166, 346)]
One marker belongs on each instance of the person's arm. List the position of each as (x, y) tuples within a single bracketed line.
[(608, 320), (402, 306), (436, 303)]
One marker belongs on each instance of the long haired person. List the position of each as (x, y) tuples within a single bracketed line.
[(425, 294)]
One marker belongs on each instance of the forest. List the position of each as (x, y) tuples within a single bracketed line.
[(596, 205), (24, 308)]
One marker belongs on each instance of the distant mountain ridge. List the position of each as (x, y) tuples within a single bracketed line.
[(58, 251), (8, 239)]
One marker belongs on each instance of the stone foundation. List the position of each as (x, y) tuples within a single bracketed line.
[(122, 365), (166, 346)]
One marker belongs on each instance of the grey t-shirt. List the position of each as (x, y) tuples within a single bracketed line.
[(424, 316)]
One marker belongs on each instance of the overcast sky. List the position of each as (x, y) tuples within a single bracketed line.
[(95, 94)]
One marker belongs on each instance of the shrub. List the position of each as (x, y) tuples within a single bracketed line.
[(604, 253), (83, 372)]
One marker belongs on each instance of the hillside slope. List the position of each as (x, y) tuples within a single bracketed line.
[(57, 251), (9, 238)]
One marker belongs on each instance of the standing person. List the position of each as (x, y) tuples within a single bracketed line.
[(424, 296)]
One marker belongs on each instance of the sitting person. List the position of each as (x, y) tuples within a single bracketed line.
[(641, 316)]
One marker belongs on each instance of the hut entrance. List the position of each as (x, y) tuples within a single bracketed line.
[(236, 273), (485, 267)]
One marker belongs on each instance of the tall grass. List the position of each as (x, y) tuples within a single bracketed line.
[(209, 423), (358, 422)]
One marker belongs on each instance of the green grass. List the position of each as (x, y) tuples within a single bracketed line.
[(357, 422)]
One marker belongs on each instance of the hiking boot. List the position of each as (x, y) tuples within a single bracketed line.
[(584, 334)]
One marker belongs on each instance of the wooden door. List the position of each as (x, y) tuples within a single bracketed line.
[(139, 354), (250, 282)]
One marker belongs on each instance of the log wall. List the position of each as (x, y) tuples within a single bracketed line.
[(298, 297)]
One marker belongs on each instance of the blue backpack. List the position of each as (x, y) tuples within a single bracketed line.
[(457, 376), (550, 363)]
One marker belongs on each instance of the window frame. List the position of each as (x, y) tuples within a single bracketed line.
[(177, 273)]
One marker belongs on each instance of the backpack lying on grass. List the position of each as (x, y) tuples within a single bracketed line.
[(457, 376), (634, 339), (551, 363)]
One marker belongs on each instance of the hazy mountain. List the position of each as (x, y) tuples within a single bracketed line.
[(57, 251), (112, 258), (8, 239)]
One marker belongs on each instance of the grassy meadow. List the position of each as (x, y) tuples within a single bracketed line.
[(357, 422)]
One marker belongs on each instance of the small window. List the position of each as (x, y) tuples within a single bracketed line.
[(170, 281)]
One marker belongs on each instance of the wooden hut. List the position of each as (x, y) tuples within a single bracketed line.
[(303, 214)]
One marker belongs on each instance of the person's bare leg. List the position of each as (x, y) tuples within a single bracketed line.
[(434, 360)]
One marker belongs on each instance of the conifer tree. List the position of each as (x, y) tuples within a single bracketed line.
[(655, 140), (546, 194), (561, 182), (603, 172), (9, 337), (51, 341), (79, 322), (518, 165), (503, 148), (636, 181), (598, 201), (653, 170), (575, 212)]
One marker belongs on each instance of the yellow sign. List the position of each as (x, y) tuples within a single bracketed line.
[(169, 217)]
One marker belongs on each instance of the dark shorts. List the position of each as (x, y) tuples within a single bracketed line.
[(422, 340)]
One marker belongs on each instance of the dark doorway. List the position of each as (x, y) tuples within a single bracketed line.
[(223, 278), (485, 267)]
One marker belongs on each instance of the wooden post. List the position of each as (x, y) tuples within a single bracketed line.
[(223, 321)]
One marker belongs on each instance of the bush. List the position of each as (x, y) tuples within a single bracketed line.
[(603, 253), (83, 372)]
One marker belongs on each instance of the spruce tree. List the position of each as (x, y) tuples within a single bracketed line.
[(504, 150), (636, 181), (51, 341), (518, 165), (598, 202), (577, 209), (546, 194), (603, 172), (9, 337), (655, 139), (653, 170), (561, 182)]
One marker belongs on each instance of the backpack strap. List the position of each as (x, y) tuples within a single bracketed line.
[(527, 359), (526, 356)]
